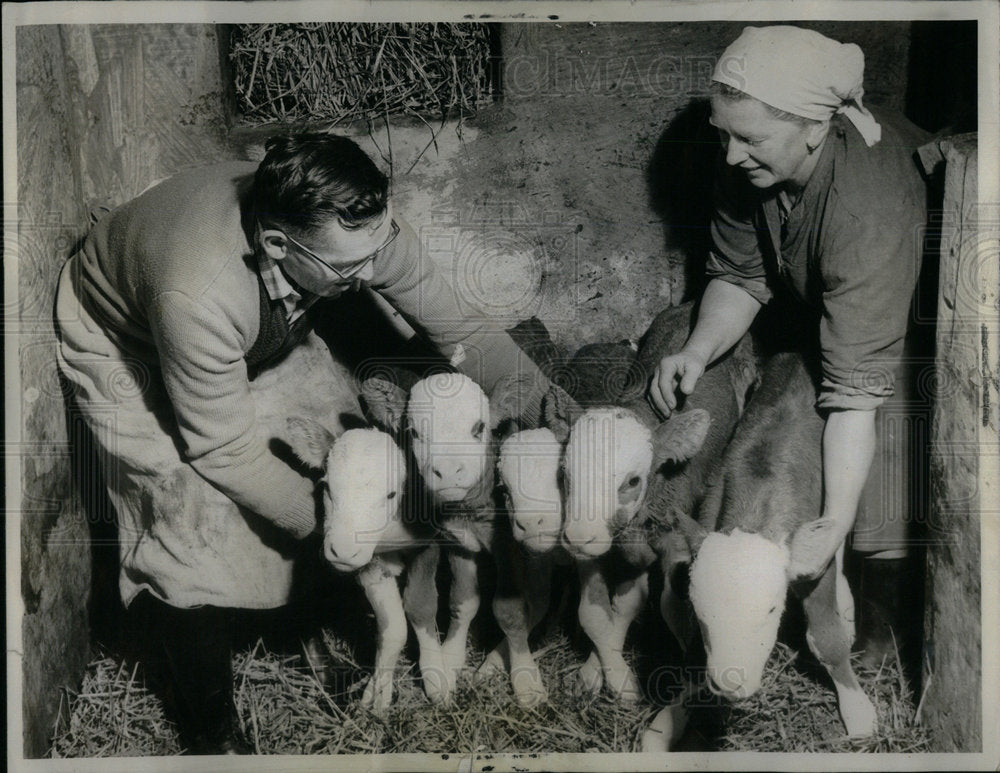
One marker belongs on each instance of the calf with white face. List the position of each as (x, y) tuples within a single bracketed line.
[(448, 422), (528, 466), (364, 476), (368, 528), (611, 461), (758, 526), (629, 475), (448, 417)]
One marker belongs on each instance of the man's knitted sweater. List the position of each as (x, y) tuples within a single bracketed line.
[(173, 279)]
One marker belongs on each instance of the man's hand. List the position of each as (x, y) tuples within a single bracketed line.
[(685, 367)]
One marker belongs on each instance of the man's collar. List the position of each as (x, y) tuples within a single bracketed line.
[(275, 282)]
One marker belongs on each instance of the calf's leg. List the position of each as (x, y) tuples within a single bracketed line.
[(606, 620), (830, 632), (382, 590), (536, 588), (463, 603), (518, 607), (420, 601)]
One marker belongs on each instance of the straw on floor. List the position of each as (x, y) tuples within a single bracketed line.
[(284, 709)]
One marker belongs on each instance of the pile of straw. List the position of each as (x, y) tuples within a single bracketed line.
[(113, 715), (796, 710), (341, 72), (284, 708)]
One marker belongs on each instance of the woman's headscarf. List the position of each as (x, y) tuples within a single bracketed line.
[(801, 72)]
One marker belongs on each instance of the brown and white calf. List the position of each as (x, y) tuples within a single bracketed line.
[(447, 420), (627, 476), (757, 524), (372, 525)]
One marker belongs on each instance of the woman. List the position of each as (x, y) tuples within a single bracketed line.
[(823, 197)]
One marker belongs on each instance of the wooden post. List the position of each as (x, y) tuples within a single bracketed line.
[(963, 472)]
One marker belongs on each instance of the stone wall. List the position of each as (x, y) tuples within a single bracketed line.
[(102, 111)]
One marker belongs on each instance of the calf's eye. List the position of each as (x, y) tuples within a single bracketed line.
[(477, 431), (392, 495), (634, 481)]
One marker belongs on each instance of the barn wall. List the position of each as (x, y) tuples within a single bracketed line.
[(962, 480), (102, 111), (55, 569), (583, 195)]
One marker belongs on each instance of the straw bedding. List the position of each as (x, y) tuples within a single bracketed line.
[(284, 708)]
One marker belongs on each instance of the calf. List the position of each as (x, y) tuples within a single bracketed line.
[(758, 523), (627, 476), (528, 479), (372, 526), (448, 423)]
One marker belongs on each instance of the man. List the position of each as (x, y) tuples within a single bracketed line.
[(188, 292)]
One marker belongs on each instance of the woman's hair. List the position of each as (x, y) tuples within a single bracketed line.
[(729, 92), (307, 179)]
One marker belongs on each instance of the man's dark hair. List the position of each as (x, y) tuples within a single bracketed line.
[(306, 179)]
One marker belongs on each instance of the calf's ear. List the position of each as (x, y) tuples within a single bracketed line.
[(384, 404), (812, 547), (686, 538), (310, 441), (512, 396), (559, 412), (680, 437)]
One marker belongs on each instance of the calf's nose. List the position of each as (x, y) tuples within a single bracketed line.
[(448, 469), (341, 556)]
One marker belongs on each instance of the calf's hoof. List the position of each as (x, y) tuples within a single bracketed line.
[(590, 677), (529, 689), (492, 665), (378, 693), (621, 683), (620, 680), (665, 729), (434, 675), (858, 714)]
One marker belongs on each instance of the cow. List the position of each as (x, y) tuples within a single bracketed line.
[(373, 526), (753, 534), (628, 476)]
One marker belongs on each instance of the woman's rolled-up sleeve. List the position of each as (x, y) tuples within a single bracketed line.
[(869, 271)]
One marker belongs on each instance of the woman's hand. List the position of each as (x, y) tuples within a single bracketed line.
[(684, 367), (724, 315)]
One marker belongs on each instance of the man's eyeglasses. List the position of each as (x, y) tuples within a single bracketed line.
[(354, 268)]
